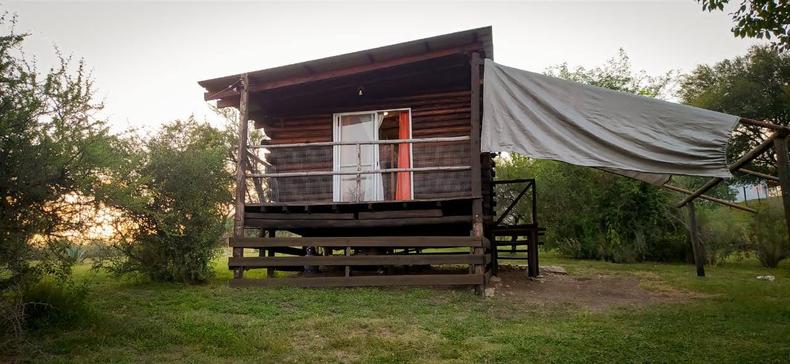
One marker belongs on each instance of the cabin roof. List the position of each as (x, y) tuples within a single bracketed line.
[(356, 62)]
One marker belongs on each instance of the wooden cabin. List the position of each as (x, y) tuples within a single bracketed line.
[(365, 169)]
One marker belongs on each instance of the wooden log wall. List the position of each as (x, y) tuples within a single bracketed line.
[(433, 115)]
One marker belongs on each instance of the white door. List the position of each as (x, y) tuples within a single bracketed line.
[(356, 127)]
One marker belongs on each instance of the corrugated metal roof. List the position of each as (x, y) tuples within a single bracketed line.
[(414, 48)]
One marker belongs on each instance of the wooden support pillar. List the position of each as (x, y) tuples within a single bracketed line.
[(696, 246), (783, 170), (532, 253), (241, 168), (474, 163)]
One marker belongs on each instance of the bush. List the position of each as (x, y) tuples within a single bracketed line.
[(767, 235), (592, 214), (48, 304), (723, 232), (178, 207)]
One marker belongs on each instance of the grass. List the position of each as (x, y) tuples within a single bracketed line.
[(740, 319)]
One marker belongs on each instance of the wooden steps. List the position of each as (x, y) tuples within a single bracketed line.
[(524, 234), (363, 253), (362, 281), (355, 260)]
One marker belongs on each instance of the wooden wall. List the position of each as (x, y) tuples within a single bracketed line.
[(433, 115)]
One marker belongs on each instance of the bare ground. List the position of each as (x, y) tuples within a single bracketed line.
[(595, 292)]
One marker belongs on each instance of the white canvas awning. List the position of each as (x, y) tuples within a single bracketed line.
[(641, 137)]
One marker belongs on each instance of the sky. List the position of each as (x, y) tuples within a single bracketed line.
[(146, 57)]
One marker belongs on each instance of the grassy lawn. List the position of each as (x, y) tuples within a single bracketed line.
[(736, 319)]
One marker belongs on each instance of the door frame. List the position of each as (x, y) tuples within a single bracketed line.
[(336, 179)]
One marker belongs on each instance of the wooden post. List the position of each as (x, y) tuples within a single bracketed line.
[(532, 253), (783, 170), (241, 168), (474, 163), (270, 233), (696, 246)]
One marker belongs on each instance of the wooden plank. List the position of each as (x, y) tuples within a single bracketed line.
[(400, 214), (341, 203), (362, 241), (299, 216), (315, 224), (355, 260), (263, 86), (361, 281)]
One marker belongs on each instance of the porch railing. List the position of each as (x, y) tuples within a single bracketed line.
[(260, 176)]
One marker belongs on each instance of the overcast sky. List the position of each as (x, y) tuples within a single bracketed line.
[(147, 57)]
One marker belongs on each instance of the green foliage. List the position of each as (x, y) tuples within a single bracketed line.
[(48, 304), (758, 19), (617, 75), (756, 86), (56, 160), (723, 232), (178, 205), (767, 235), (76, 253), (593, 214)]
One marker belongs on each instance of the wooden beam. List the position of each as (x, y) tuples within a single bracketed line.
[(263, 86), (241, 182), (746, 158), (759, 174), (533, 269), (399, 214), (355, 260), (316, 224), (299, 216), (474, 162), (783, 170), (764, 124), (360, 281), (696, 244), (710, 198), (362, 241)]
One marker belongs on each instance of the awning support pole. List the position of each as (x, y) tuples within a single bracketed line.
[(783, 170), (696, 246)]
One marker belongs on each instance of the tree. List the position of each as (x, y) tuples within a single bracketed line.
[(755, 86), (175, 213), (57, 159), (758, 19), (616, 74)]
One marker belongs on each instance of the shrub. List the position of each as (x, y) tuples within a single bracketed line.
[(177, 211), (723, 232), (592, 214), (767, 235), (48, 304)]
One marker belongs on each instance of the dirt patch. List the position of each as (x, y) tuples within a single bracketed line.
[(596, 292)]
